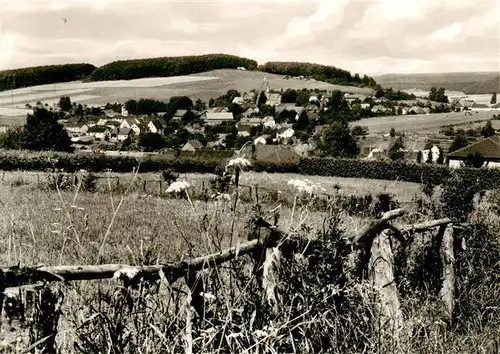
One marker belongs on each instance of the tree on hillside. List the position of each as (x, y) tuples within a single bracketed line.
[(199, 105), (262, 99), (359, 130), (65, 103), (438, 95), (302, 98), (494, 98), (337, 141), (302, 123), (289, 96), (43, 132), (150, 141), (460, 141), (488, 130), (12, 139), (396, 152)]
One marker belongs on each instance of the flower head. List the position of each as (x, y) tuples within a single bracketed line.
[(239, 162), (127, 273), (305, 185), (178, 186), (221, 197)]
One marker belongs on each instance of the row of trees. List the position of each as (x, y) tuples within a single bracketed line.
[(42, 75), (438, 95), (169, 66), (325, 73)]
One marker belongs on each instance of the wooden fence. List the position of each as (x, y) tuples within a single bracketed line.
[(371, 251)]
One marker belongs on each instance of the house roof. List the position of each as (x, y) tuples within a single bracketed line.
[(250, 120), (271, 153), (479, 105), (488, 148), (98, 129), (124, 131), (113, 123), (217, 110), (180, 113), (244, 128), (74, 125), (196, 144), (283, 129), (219, 116)]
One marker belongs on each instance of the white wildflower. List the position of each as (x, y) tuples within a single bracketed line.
[(56, 232), (236, 335), (208, 296), (239, 162), (259, 333), (178, 186), (305, 185), (129, 272), (221, 197)]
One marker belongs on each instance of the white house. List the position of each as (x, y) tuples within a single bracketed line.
[(154, 128), (124, 111), (260, 140), (139, 128), (285, 133), (192, 145), (127, 123), (77, 128), (238, 100), (434, 151), (268, 122), (244, 130), (489, 149), (99, 132), (120, 134), (313, 98), (273, 99)]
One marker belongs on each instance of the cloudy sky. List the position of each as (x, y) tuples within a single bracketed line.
[(369, 37)]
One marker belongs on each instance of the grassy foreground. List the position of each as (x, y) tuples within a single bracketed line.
[(320, 308)]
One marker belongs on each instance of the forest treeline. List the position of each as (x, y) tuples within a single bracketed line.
[(171, 66), (318, 72), (42, 75)]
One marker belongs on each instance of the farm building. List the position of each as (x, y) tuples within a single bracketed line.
[(76, 128), (120, 134), (238, 100), (251, 121), (139, 128), (192, 145), (489, 149), (268, 122), (273, 99), (99, 132), (480, 107), (261, 139), (218, 118)]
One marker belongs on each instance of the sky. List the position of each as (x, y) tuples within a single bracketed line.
[(366, 37)]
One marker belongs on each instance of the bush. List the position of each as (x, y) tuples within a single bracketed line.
[(57, 179)]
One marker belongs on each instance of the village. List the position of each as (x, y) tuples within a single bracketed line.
[(280, 120)]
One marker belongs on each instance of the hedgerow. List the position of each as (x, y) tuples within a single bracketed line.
[(208, 163)]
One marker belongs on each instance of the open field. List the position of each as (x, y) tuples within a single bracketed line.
[(468, 82), (320, 303), (204, 86), (428, 123), (404, 192)]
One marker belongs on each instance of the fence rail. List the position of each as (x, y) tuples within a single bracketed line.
[(370, 245)]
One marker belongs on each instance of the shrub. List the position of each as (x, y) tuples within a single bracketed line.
[(57, 179)]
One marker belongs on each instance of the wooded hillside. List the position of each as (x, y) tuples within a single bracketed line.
[(319, 72), (41, 75), (169, 66)]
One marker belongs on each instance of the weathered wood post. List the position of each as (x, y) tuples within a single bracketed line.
[(381, 271), (447, 291), (159, 186), (45, 320), (144, 186)]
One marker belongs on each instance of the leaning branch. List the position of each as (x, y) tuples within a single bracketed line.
[(15, 276)]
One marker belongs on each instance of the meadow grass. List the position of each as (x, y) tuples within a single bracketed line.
[(41, 226)]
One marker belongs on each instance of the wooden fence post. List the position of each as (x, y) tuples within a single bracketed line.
[(117, 182), (144, 186), (381, 270), (447, 291), (45, 320), (159, 186)]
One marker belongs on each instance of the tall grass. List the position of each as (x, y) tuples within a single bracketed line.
[(309, 300)]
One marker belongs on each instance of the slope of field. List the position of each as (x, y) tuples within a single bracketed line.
[(467, 82), (203, 85), (422, 122)]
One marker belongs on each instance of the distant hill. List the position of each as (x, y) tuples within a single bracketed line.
[(41, 75), (467, 82)]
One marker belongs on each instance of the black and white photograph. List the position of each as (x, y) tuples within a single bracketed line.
[(249, 176)]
